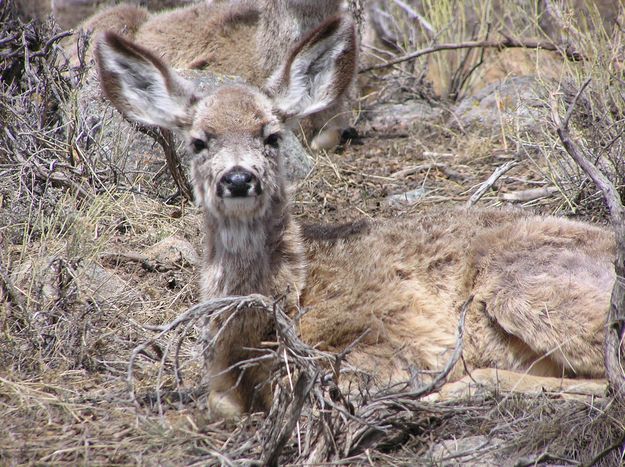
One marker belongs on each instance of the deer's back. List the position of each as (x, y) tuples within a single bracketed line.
[(219, 36)]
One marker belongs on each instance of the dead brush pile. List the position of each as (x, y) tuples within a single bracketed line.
[(99, 345)]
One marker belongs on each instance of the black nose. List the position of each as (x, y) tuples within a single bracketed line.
[(238, 182)]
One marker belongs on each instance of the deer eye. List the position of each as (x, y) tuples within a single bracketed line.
[(198, 145), (273, 140)]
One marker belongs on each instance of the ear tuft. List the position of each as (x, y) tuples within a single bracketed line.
[(140, 85), (317, 71)]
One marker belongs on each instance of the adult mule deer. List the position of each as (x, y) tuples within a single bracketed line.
[(541, 285), (244, 38)]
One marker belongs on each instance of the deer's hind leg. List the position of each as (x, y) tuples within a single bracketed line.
[(489, 380), (541, 299)]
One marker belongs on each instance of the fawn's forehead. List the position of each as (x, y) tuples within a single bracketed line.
[(237, 110)]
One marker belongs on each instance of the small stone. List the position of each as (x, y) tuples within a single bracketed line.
[(174, 250), (407, 198), (402, 117)]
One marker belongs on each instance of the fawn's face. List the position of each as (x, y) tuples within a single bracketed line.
[(238, 166), (235, 130)]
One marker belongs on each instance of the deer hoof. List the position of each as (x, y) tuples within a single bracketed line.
[(326, 139), (224, 406)]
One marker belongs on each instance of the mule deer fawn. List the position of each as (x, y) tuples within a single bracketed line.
[(245, 38), (541, 285)]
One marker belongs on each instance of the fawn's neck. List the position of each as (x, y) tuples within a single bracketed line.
[(246, 256)]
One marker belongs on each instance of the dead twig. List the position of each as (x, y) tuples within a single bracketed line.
[(54, 173), (530, 194), (443, 167), (487, 185), (116, 259), (414, 15), (165, 139), (283, 429), (201, 310), (615, 331), (506, 43), (619, 444), (49, 43)]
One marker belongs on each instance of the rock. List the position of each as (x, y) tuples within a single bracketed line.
[(105, 286), (173, 250), (518, 103), (400, 118), (87, 281), (407, 198), (122, 146)]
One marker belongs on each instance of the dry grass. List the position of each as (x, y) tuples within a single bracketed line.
[(66, 341)]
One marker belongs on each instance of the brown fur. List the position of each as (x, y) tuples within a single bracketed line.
[(540, 285), (210, 34), (541, 288), (122, 19), (237, 109)]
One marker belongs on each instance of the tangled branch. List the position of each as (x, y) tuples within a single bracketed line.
[(308, 400)]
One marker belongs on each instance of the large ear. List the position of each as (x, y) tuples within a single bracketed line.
[(318, 70), (141, 86)]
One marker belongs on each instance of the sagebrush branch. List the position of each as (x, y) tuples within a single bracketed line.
[(441, 377), (221, 305), (165, 139), (506, 43)]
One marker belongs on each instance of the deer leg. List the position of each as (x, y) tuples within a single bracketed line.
[(545, 318), (488, 380), (235, 391), (237, 369), (225, 400), (330, 123)]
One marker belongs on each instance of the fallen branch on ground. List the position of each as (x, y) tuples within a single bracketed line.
[(487, 185), (443, 167), (531, 194)]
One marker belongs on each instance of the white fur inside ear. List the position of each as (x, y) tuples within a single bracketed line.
[(313, 79), (143, 89)]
